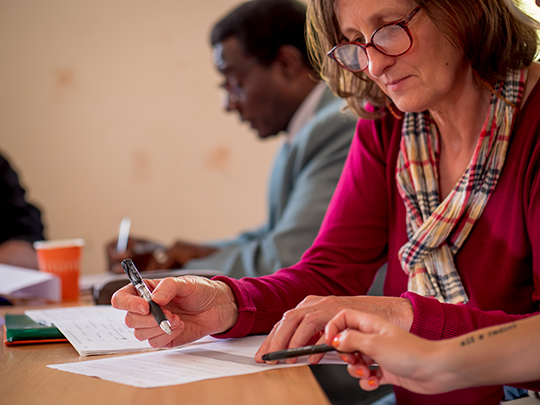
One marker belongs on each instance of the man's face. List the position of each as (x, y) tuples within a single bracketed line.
[(253, 90)]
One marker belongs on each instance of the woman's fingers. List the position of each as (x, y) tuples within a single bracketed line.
[(265, 347), (315, 358), (127, 299), (295, 329), (370, 384)]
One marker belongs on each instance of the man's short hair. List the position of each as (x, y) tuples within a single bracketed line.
[(263, 26)]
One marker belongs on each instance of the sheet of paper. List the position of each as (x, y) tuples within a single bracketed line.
[(18, 282), (199, 361), (92, 330), (49, 316)]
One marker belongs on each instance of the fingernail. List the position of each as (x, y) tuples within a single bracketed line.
[(343, 357), (159, 296), (360, 373), (335, 341), (140, 309), (371, 382)]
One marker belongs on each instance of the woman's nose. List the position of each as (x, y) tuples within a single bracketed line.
[(378, 62)]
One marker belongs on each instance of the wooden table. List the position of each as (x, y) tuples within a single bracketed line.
[(25, 379)]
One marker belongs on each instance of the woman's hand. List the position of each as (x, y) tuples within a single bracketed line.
[(500, 354), (195, 306), (305, 324), (404, 359)]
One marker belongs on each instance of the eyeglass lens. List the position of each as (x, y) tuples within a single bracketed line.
[(391, 40)]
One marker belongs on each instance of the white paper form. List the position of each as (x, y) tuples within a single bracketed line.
[(49, 316), (92, 330), (18, 282), (183, 365)]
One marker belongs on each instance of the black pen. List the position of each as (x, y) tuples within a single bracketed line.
[(142, 288), (298, 351), (305, 351)]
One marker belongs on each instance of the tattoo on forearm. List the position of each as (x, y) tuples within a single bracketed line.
[(484, 335)]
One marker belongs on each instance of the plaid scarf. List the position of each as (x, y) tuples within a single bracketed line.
[(437, 230)]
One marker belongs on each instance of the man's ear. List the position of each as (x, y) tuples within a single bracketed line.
[(289, 61)]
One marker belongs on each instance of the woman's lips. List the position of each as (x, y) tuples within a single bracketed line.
[(397, 84)]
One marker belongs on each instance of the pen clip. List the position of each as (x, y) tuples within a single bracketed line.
[(136, 279)]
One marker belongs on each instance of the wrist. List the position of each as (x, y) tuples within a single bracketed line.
[(404, 313), (447, 368), (228, 305)]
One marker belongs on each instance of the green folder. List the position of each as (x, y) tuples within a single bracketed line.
[(21, 329)]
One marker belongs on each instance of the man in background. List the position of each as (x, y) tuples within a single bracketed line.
[(20, 221), (259, 49)]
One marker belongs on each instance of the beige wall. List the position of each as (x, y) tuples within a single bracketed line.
[(110, 108)]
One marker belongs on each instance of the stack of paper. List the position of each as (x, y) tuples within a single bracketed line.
[(18, 282)]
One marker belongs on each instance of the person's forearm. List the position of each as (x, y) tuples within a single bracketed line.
[(434, 320), (502, 354)]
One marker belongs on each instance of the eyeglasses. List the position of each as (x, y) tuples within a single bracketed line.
[(235, 80), (393, 39)]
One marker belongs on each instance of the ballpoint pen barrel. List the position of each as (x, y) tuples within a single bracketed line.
[(137, 281), (160, 317), (296, 352), (156, 312)]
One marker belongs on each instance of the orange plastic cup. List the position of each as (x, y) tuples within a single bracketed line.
[(62, 258)]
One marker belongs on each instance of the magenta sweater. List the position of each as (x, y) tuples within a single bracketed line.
[(365, 226)]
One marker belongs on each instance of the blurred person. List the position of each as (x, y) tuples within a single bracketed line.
[(259, 48), (20, 221)]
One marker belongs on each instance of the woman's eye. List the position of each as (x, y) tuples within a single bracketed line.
[(360, 40)]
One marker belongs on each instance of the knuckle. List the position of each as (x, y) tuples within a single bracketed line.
[(312, 320), (287, 316), (309, 300), (329, 300)]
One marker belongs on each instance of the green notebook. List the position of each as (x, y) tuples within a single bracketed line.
[(21, 329)]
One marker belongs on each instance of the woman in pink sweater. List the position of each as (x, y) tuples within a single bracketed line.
[(441, 183)]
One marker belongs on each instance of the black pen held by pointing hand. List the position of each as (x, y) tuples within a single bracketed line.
[(296, 352), (305, 351), (142, 288)]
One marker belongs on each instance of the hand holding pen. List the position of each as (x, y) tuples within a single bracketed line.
[(142, 288), (194, 306)]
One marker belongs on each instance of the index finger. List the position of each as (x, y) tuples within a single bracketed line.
[(127, 299), (351, 319), (282, 333)]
